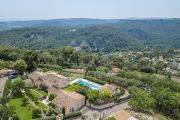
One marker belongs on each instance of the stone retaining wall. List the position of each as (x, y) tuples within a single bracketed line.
[(111, 104), (100, 107)]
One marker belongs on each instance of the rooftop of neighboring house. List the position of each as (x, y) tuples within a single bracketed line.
[(67, 98), (115, 70)]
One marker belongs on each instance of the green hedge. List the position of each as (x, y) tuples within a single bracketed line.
[(47, 67), (73, 114), (7, 88), (98, 81), (6, 64), (115, 80)]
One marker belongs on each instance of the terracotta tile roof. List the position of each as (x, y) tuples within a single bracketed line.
[(35, 75), (67, 98), (48, 78), (29, 82), (55, 79), (53, 90)]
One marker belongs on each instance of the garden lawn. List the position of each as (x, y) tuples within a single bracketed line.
[(42, 106), (43, 93), (73, 87), (24, 112), (35, 93), (76, 87)]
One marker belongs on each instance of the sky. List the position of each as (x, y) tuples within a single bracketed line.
[(103, 9)]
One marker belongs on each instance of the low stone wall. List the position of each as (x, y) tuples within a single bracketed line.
[(111, 104), (100, 107)]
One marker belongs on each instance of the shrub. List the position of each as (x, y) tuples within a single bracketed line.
[(111, 118), (132, 89), (98, 81), (102, 69), (44, 88), (6, 64), (116, 80), (51, 97), (128, 74), (120, 93), (146, 69), (73, 114), (142, 100), (52, 105), (63, 110), (20, 66), (4, 100), (36, 113), (15, 117)]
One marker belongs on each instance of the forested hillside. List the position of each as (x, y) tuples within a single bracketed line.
[(101, 35), (4, 25)]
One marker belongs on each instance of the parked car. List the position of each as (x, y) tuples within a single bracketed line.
[(13, 75)]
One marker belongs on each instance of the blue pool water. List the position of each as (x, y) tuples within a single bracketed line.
[(88, 84)]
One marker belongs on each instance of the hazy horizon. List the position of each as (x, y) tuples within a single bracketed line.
[(148, 18), (101, 9)]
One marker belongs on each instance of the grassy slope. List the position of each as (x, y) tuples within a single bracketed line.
[(36, 94), (42, 106)]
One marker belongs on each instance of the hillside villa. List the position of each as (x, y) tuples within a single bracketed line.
[(55, 83)]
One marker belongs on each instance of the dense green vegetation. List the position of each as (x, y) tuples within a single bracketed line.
[(7, 87), (115, 80), (99, 98), (95, 80), (136, 75), (122, 35), (159, 94)]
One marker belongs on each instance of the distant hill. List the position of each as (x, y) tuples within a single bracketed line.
[(94, 34), (54, 22)]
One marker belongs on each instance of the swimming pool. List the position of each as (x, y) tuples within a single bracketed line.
[(87, 83)]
